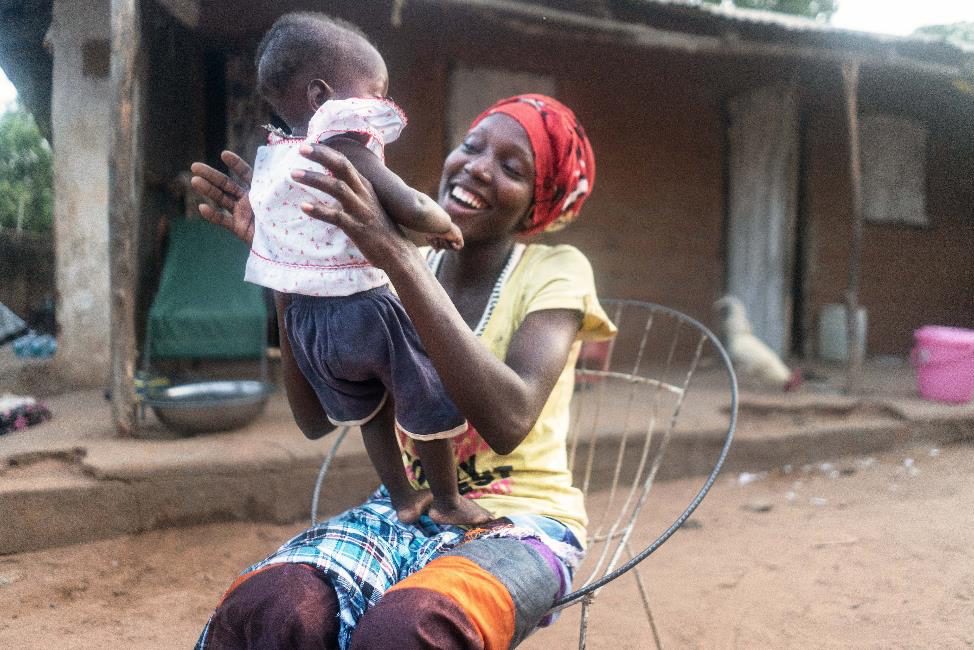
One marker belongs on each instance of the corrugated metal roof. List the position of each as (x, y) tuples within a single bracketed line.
[(730, 13)]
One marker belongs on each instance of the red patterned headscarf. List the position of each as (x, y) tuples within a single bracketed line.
[(564, 166)]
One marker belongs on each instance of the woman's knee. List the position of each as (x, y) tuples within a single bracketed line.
[(411, 619), (486, 593), (280, 606)]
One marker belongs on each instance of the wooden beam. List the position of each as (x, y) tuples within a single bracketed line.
[(805, 230), (854, 347), (124, 205), (185, 11), (530, 17)]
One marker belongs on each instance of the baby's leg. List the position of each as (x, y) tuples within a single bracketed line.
[(379, 436), (424, 411), (440, 468)]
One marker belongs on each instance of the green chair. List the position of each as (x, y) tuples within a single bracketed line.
[(205, 310)]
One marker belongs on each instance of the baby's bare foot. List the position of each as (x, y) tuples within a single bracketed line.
[(459, 512), (412, 506)]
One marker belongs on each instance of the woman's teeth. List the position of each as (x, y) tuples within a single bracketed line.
[(468, 199)]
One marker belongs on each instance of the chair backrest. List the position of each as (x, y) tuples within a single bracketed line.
[(627, 406), (203, 308)]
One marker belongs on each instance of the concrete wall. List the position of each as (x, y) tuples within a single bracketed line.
[(81, 129), (25, 286), (173, 138), (911, 276), (652, 228)]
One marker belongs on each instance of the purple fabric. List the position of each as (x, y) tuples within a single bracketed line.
[(553, 563)]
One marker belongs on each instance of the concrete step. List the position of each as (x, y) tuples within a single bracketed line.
[(53, 499)]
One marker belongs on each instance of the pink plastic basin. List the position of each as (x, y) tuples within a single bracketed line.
[(944, 362)]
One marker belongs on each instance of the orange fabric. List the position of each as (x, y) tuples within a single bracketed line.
[(479, 594)]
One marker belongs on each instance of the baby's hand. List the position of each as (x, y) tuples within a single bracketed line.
[(452, 238)]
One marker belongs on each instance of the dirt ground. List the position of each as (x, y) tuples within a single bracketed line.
[(865, 553)]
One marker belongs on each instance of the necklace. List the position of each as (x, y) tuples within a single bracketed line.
[(436, 259)]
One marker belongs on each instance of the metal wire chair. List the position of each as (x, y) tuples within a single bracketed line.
[(629, 396), (626, 413)]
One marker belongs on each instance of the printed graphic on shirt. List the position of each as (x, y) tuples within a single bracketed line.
[(472, 480)]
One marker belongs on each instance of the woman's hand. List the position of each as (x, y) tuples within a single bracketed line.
[(233, 210), (361, 215)]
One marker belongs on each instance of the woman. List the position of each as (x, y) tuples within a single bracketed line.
[(502, 323)]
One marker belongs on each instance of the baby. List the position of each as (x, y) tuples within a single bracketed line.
[(349, 333)]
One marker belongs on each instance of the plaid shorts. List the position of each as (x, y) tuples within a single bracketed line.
[(366, 550)]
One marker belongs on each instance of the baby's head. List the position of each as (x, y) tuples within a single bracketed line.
[(306, 58)]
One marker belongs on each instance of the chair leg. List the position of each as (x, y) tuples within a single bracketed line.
[(649, 612), (642, 595), (325, 464), (583, 624)]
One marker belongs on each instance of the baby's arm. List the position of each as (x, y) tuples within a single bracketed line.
[(406, 206)]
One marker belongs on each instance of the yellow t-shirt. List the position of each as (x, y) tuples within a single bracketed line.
[(534, 478)]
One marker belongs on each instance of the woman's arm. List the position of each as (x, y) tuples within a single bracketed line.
[(404, 205), (501, 399), (236, 215)]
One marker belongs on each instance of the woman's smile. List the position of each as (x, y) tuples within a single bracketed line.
[(468, 198)]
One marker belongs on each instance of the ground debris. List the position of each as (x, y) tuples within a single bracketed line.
[(758, 505), (849, 541), (909, 465), (747, 477), (839, 576), (9, 579)]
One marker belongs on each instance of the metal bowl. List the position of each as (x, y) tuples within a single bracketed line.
[(209, 405)]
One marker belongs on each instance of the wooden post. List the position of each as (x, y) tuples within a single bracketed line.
[(854, 348), (125, 190)]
